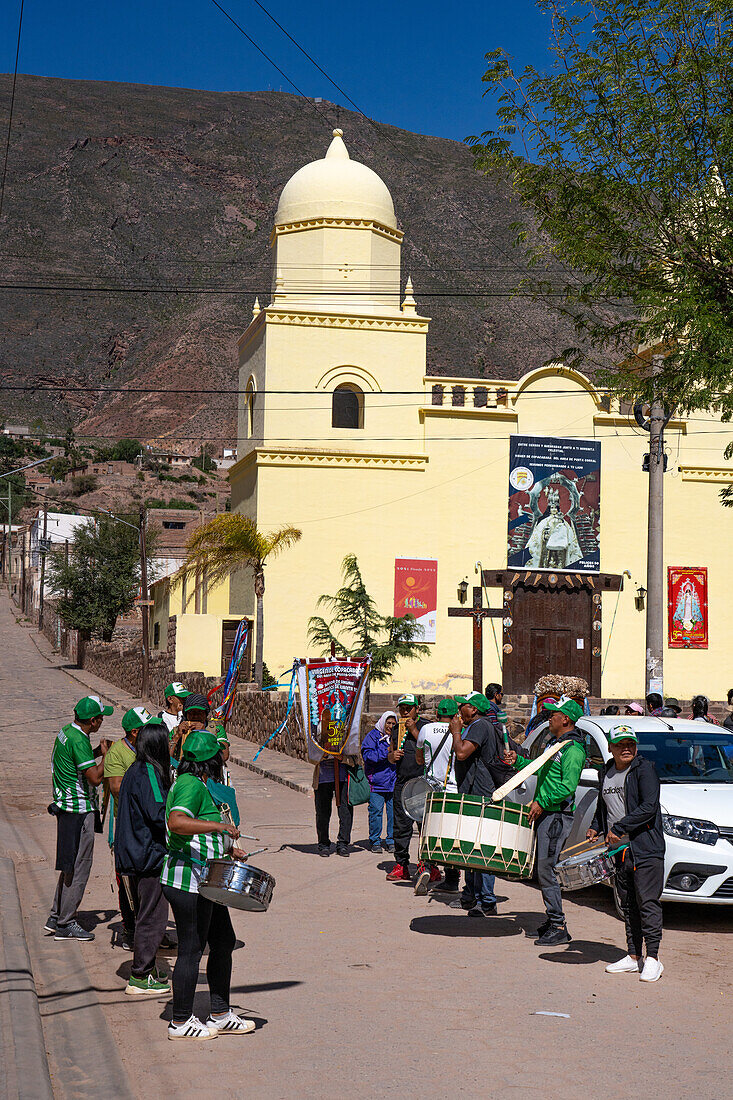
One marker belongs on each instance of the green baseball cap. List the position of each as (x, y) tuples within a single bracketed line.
[(200, 745), (91, 707), (154, 721), (177, 690), (474, 699), (621, 733), (566, 706), (446, 708), (135, 719), (408, 700)]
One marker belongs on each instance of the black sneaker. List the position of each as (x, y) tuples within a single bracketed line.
[(169, 942), (127, 941), (555, 936), (342, 850), (324, 850), (377, 849), (544, 927), (72, 931), (51, 924), (461, 903), (483, 911), (389, 846), (447, 887)]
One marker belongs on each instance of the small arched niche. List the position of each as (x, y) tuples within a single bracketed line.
[(347, 406)]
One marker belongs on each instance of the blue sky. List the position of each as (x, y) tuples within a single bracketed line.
[(415, 66)]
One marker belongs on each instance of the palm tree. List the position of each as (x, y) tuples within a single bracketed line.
[(230, 542)]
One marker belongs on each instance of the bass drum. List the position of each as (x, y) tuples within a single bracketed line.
[(473, 832), (236, 884)]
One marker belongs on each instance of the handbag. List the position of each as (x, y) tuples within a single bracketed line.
[(357, 785)]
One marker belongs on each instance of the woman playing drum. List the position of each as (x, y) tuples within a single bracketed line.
[(195, 832)]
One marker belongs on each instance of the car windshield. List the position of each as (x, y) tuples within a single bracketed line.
[(690, 758)]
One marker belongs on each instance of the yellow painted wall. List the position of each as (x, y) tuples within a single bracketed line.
[(198, 644)]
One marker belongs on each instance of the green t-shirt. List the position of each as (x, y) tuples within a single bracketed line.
[(117, 761), (187, 854), (72, 755)]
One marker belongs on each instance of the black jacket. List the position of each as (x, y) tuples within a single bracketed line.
[(484, 770), (408, 767), (140, 824), (643, 818)]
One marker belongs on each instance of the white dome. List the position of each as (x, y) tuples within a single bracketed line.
[(335, 187)]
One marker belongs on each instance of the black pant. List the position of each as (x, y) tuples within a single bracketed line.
[(200, 922), (639, 889), (128, 905), (325, 793), (150, 919), (402, 830)]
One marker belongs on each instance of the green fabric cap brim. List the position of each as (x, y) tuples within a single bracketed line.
[(571, 710), (614, 737), (446, 708), (200, 745)]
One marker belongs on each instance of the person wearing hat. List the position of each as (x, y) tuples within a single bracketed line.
[(478, 746), (406, 767), (634, 709), (140, 848), (435, 753), (76, 774), (175, 695), (673, 704), (628, 803), (195, 832), (552, 812), (196, 717), (120, 755)]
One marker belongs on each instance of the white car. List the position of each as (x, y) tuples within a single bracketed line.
[(694, 762)]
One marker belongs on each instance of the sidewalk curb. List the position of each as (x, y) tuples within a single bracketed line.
[(293, 784), (26, 1040)]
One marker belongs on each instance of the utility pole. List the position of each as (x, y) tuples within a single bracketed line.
[(9, 542), (656, 602), (22, 577), (43, 551), (144, 601)]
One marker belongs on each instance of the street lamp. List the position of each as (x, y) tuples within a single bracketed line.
[(463, 592), (640, 598)]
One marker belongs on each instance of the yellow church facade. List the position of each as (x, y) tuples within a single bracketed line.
[(344, 435)]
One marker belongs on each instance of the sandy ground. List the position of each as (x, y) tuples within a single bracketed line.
[(358, 987)]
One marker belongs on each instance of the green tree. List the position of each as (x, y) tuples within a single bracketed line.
[(101, 579), (230, 542), (627, 182), (357, 629), (125, 450)]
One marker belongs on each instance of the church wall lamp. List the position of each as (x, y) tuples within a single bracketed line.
[(640, 598), (462, 591)]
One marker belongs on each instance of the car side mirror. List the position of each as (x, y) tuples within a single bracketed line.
[(589, 777)]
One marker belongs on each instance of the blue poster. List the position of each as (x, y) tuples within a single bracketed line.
[(554, 504)]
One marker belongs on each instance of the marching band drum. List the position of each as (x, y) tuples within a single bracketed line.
[(473, 832)]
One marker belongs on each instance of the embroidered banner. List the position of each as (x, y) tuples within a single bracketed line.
[(331, 700), (554, 504), (416, 593), (687, 604)]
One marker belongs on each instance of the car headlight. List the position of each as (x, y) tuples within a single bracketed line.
[(687, 828)]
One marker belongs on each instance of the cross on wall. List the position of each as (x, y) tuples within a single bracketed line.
[(478, 613)]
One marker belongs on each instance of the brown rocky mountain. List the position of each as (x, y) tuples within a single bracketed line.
[(122, 197)]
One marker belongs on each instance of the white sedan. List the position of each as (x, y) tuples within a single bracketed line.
[(694, 762)]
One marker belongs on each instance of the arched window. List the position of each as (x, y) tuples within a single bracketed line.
[(249, 404), (347, 407)]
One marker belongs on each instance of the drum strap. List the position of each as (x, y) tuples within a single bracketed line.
[(435, 756)]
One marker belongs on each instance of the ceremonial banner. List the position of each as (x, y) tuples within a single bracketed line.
[(416, 593), (331, 700), (554, 504), (687, 604)]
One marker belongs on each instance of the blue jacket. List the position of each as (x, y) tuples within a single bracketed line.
[(380, 773)]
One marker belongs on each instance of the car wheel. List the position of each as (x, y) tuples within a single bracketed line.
[(617, 901)]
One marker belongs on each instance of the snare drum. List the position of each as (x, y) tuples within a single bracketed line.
[(236, 884), (414, 796), (586, 868), (469, 831)]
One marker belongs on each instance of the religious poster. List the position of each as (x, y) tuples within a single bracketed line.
[(416, 593), (554, 504), (687, 603), (331, 699)]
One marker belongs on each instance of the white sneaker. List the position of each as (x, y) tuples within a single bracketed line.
[(627, 965), (652, 971), (231, 1024), (192, 1029)]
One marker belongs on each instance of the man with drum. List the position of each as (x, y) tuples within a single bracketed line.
[(435, 753), (628, 803), (552, 811), (404, 758)]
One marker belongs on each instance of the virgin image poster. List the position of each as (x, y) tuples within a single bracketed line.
[(554, 504), (331, 699), (687, 604)]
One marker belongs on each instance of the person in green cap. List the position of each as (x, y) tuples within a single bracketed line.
[(435, 753), (77, 771), (175, 695), (195, 832), (552, 811), (118, 759)]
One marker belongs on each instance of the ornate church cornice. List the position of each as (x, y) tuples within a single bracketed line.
[(337, 223), (327, 458), (318, 319)]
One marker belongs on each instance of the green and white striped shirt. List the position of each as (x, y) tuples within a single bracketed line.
[(186, 855), (72, 755)]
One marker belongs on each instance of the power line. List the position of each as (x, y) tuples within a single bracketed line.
[(12, 105)]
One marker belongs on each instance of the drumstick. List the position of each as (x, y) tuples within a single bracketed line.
[(529, 769)]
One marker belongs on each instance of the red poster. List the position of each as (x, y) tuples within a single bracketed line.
[(416, 592), (687, 604)]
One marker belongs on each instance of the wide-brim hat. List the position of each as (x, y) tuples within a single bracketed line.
[(200, 745)]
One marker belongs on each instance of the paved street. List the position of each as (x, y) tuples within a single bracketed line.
[(358, 987)]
